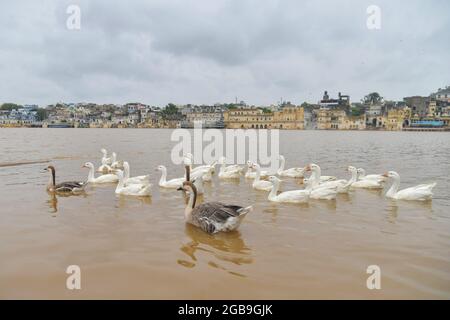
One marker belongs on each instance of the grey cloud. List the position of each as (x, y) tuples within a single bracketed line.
[(210, 51)]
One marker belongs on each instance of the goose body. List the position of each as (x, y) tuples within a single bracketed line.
[(259, 184), (139, 190), (321, 193), (420, 192), (63, 187), (189, 160), (377, 177), (233, 167), (133, 180), (105, 159), (106, 178), (364, 183), (115, 164), (293, 196), (169, 184), (291, 172), (212, 217), (251, 173), (342, 185)]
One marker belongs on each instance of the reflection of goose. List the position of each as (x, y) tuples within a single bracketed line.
[(226, 247), (291, 172), (106, 178), (420, 192), (293, 196), (140, 190), (212, 217), (63, 187)]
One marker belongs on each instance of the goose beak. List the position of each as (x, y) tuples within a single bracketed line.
[(385, 175), (308, 168), (180, 189)]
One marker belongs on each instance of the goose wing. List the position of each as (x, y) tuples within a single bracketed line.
[(69, 186), (211, 214)]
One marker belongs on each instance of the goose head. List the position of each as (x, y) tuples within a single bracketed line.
[(222, 160), (361, 171), (103, 150), (274, 180), (392, 174), (255, 166), (161, 168), (88, 165), (312, 167), (249, 163), (351, 169)]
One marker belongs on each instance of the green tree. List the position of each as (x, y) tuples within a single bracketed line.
[(41, 114), (372, 98), (10, 106)]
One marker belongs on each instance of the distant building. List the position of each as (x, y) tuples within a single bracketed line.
[(417, 104), (342, 102), (254, 118)]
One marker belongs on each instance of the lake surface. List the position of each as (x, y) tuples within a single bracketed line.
[(134, 248)]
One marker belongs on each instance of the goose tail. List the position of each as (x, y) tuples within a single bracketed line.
[(243, 211)]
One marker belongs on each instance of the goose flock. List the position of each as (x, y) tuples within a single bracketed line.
[(214, 217)]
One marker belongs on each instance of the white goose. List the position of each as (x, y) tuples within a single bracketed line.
[(229, 172), (106, 178), (293, 196), (251, 174), (225, 168), (259, 184), (170, 184), (105, 158), (133, 180), (321, 193), (206, 171), (189, 159), (115, 164), (291, 172), (140, 190), (421, 192), (364, 183), (342, 185), (377, 177)]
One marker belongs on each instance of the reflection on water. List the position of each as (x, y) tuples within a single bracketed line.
[(221, 249)]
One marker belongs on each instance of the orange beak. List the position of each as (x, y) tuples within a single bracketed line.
[(308, 168), (385, 175)]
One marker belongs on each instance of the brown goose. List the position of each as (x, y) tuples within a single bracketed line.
[(212, 217), (63, 187)]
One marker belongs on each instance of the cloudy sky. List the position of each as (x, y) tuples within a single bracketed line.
[(213, 51)]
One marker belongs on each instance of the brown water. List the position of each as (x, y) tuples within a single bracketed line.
[(134, 248)]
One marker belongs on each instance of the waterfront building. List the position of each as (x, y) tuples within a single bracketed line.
[(342, 102), (417, 104), (249, 118), (397, 119), (336, 119), (442, 94)]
